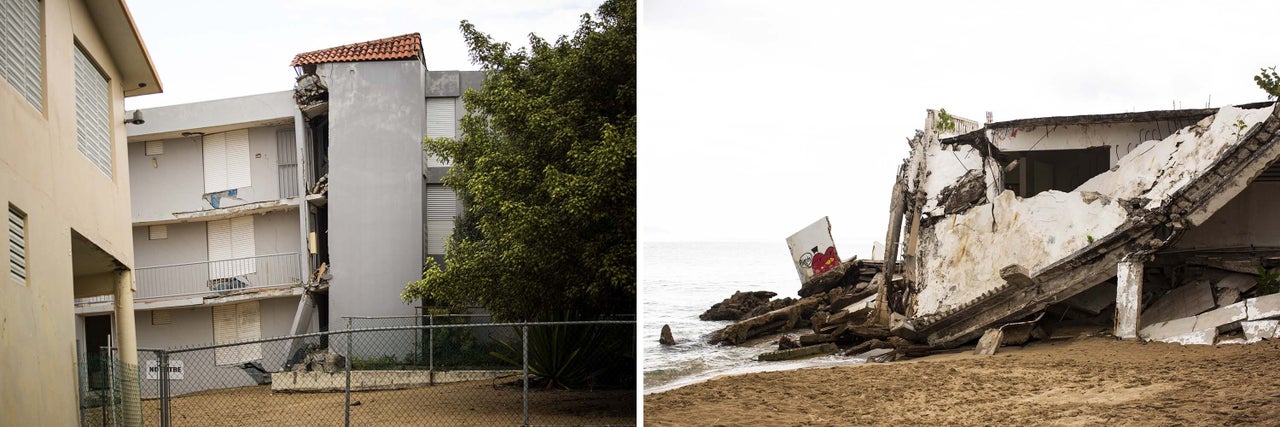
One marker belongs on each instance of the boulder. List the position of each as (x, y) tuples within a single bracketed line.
[(666, 338)]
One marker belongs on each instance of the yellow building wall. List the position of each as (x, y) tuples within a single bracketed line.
[(43, 174)]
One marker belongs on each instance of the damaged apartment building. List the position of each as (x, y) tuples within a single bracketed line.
[(1167, 216), (281, 213)]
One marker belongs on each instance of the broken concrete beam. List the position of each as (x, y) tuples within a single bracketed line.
[(1164, 330), (779, 320), (989, 342), (1263, 307), (1240, 282), (1017, 275), (1199, 337), (1258, 330), (1227, 296), (1019, 334), (737, 306), (1221, 317), (812, 339), (844, 274), (969, 190), (1185, 301), (797, 353)]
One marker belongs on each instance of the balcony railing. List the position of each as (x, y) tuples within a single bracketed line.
[(211, 277)]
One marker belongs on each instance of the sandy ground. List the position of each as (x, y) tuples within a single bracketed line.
[(1082, 381), (471, 403)]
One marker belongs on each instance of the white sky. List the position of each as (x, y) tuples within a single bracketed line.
[(756, 118), (219, 49)]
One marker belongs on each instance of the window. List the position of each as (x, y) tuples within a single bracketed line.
[(1062, 170), (442, 207), (234, 323), (226, 161), (20, 56), (17, 245), (93, 119), (157, 232), (440, 120), (154, 148), (231, 241), (161, 317)]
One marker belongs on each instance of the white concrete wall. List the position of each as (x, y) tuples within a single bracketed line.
[(174, 181), (193, 326), (1120, 138), (963, 253), (1250, 219), (376, 111)]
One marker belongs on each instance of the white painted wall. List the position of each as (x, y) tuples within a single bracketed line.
[(1250, 219), (1121, 138)]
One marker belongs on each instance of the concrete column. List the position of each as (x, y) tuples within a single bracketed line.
[(304, 208), (1128, 297), (126, 338)]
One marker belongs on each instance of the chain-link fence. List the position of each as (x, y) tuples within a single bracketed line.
[(108, 389), (453, 370)]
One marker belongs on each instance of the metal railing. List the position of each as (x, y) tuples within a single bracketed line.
[(366, 377), (211, 277)]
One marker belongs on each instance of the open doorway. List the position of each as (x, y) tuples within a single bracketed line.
[(97, 335)]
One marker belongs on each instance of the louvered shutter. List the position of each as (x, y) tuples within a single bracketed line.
[(17, 246), (440, 120), (442, 207), (219, 233), (242, 246), (215, 162), (287, 158), (249, 326), (20, 57), (153, 148), (225, 330), (93, 119), (237, 159)]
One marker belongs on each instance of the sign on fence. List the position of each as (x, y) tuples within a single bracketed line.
[(175, 370)]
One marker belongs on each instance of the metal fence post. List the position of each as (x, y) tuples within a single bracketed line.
[(524, 342), (431, 343), (164, 387), (347, 411)]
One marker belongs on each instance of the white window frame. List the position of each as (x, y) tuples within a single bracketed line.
[(441, 123), (22, 58), (226, 161), (93, 111), (231, 247), (440, 210), (235, 323)]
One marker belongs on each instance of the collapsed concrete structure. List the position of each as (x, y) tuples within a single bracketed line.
[(1002, 222), (1155, 225)]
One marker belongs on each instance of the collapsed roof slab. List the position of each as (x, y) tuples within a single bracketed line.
[(1166, 187)]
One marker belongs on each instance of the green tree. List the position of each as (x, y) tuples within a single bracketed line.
[(546, 167), (1269, 82)]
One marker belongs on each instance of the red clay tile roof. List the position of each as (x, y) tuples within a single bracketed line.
[(408, 46)]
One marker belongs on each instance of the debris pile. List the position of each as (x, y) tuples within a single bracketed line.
[(1211, 306), (836, 310)]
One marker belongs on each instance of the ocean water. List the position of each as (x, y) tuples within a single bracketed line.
[(683, 279)]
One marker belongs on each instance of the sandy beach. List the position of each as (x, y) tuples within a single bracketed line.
[(1080, 381)]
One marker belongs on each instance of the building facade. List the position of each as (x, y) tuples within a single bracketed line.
[(65, 70), (281, 213)]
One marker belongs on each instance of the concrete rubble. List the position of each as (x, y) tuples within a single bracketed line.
[(1152, 225)]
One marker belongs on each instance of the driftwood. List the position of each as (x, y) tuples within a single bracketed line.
[(782, 319), (837, 276)]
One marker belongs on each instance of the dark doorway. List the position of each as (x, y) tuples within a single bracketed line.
[(97, 334)]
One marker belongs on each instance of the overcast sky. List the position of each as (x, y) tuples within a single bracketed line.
[(218, 49), (759, 117)]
